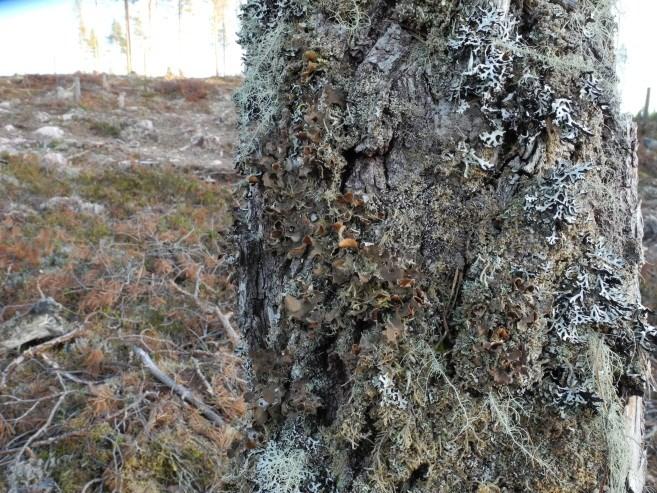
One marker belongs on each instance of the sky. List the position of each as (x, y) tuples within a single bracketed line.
[(45, 38), (41, 36), (637, 41)]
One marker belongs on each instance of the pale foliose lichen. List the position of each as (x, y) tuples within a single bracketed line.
[(481, 39), (484, 40), (563, 111), (493, 139), (487, 44), (390, 395), (470, 158), (555, 202), (592, 301), (590, 89), (573, 397), (592, 293)]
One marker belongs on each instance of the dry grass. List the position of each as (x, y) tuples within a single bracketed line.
[(144, 273), (192, 90)]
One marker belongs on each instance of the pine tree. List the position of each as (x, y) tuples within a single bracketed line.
[(218, 24), (440, 247), (117, 37)]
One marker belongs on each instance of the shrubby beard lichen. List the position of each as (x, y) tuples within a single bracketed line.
[(262, 34)]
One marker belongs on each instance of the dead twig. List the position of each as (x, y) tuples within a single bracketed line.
[(75, 433), (210, 308), (91, 483), (45, 426), (68, 375), (185, 394)]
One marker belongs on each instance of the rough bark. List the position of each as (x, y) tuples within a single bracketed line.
[(440, 247)]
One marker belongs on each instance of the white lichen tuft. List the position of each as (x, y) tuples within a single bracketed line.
[(30, 475), (390, 395), (282, 468), (290, 463)]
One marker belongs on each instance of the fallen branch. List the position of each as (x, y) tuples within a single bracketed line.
[(185, 394), (36, 350), (46, 441), (228, 327)]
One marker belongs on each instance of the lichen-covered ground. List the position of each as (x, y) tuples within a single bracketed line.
[(114, 224)]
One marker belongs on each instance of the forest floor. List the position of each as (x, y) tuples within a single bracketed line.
[(115, 217), (115, 252)]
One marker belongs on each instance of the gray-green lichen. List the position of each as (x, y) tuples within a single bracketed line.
[(422, 202)]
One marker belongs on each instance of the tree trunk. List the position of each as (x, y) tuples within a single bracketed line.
[(180, 47), (439, 249), (219, 8), (148, 50), (215, 46), (128, 40)]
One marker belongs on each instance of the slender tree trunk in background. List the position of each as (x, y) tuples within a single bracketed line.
[(82, 30), (149, 42), (180, 13), (128, 40), (77, 90), (223, 45), (216, 57), (219, 8), (440, 248)]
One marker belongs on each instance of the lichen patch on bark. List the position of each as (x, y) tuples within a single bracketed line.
[(433, 183)]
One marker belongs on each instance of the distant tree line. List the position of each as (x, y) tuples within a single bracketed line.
[(137, 24)]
